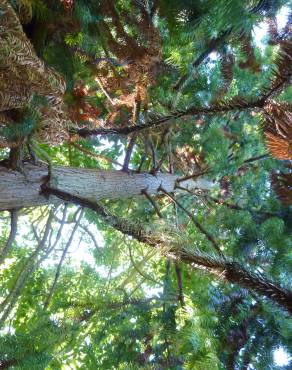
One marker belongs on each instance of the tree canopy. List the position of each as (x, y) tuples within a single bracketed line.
[(145, 184)]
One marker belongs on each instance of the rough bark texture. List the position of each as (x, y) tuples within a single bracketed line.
[(24, 189), (19, 190)]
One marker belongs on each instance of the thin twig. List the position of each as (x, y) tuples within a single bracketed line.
[(159, 164), (214, 43), (196, 223), (194, 175), (142, 273), (153, 153), (58, 271), (152, 201), (12, 235), (143, 158), (98, 80), (62, 223), (89, 152), (86, 229), (258, 158)]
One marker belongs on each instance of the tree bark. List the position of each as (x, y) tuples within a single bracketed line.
[(19, 190)]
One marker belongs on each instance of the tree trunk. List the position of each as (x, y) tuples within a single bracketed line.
[(25, 189)]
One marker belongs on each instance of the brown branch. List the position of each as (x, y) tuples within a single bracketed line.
[(153, 153), (6, 364), (192, 176), (179, 283), (236, 103), (15, 157)]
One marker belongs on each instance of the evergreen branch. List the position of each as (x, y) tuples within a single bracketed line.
[(231, 271), (240, 336), (115, 305), (236, 103), (213, 45), (238, 208), (283, 71)]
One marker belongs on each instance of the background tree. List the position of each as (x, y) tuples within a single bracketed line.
[(151, 141)]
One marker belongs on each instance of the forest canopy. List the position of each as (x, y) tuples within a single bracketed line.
[(145, 184)]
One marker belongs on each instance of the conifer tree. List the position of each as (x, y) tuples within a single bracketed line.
[(145, 184)]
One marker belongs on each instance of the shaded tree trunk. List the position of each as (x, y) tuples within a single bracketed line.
[(25, 189)]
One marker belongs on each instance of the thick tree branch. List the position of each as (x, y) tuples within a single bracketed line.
[(227, 269), (193, 111)]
